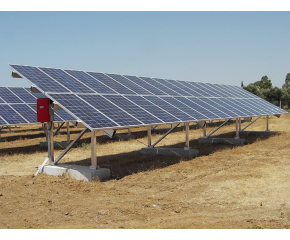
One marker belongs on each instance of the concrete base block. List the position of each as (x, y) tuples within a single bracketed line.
[(259, 133), (77, 172), (180, 152), (233, 141), (56, 144), (127, 136), (121, 136)]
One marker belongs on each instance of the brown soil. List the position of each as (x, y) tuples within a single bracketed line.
[(224, 187)]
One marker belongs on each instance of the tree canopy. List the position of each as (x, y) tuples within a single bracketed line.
[(264, 89)]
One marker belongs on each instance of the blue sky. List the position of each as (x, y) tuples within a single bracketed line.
[(216, 47)]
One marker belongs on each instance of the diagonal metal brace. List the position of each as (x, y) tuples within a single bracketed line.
[(251, 123), (69, 146), (216, 129), (169, 131), (58, 129)]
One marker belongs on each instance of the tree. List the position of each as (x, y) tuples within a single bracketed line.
[(287, 81), (264, 83)]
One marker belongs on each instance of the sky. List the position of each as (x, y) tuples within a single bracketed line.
[(224, 47)]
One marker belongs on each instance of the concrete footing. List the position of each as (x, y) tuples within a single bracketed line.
[(77, 172), (180, 152), (259, 133), (121, 136), (56, 144), (233, 141)]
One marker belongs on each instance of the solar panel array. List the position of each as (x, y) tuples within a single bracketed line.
[(18, 106), (103, 101)]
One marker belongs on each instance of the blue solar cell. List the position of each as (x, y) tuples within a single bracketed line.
[(39, 78), (237, 109), (256, 110), (66, 80), (170, 108), (181, 86), (1, 101), (133, 109), (201, 108), (216, 103), (267, 106), (83, 111), (242, 92), (2, 122), (205, 87), (209, 107), (129, 84), (119, 88), (61, 115), (149, 84), (200, 89), (110, 110), (245, 109), (215, 89), (10, 115), (189, 88), (90, 82), (225, 90), (23, 94), (185, 108), (26, 112), (172, 87), (155, 110), (8, 96)]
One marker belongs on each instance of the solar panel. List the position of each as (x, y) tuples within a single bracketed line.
[(91, 82), (82, 110), (66, 80), (153, 86), (133, 109), (112, 111), (2, 121), (8, 96), (102, 100), (119, 88), (39, 78), (10, 116), (154, 109), (170, 108), (130, 84), (20, 107)]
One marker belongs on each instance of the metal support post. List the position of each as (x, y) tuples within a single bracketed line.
[(237, 129), (204, 130), (267, 122), (45, 130), (149, 136), (67, 131), (186, 137), (240, 124), (129, 132), (50, 142), (93, 150)]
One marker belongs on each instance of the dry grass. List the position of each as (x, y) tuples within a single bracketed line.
[(224, 187)]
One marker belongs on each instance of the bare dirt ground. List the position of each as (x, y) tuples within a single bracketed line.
[(236, 187)]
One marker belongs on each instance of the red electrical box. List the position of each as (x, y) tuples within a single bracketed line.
[(45, 111)]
